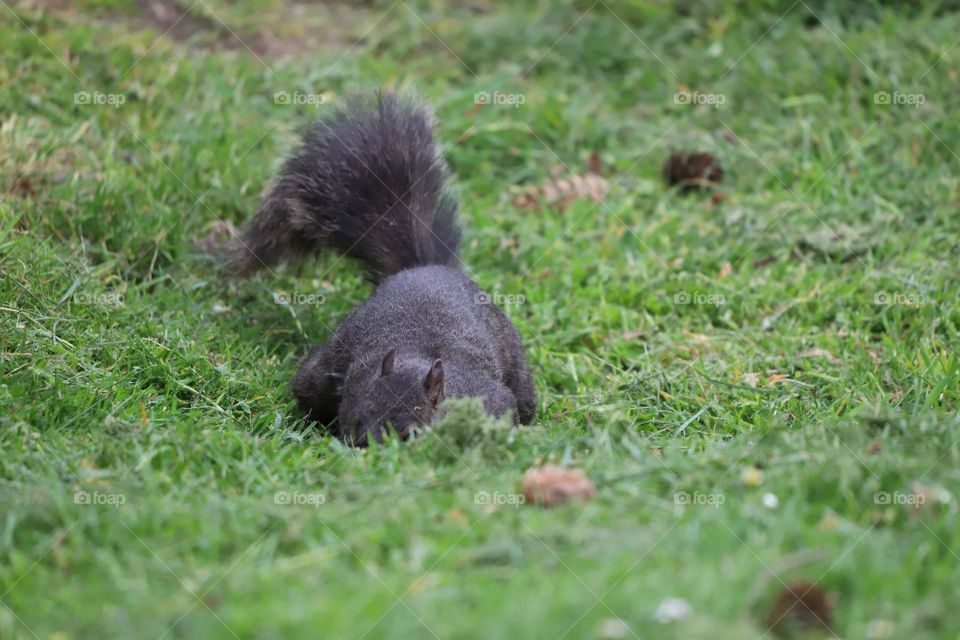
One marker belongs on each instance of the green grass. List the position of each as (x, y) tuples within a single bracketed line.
[(133, 373)]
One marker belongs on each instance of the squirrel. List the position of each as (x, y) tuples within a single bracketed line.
[(369, 181)]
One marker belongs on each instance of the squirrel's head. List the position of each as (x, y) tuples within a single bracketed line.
[(401, 397)]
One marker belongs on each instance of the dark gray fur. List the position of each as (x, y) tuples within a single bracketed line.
[(369, 182)]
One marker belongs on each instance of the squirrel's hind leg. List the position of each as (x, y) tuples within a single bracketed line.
[(521, 384), (317, 385), (516, 374)]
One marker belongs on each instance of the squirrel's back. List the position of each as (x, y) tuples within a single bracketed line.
[(368, 181)]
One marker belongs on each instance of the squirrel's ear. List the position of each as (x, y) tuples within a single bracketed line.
[(433, 383), (387, 367)]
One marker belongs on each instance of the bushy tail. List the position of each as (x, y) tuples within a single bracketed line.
[(368, 182)]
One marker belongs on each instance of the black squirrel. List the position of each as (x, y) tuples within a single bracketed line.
[(369, 181)]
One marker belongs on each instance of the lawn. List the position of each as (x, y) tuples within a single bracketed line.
[(761, 378)]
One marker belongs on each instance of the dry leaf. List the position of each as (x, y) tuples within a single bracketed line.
[(562, 192), (725, 270), (551, 486), (595, 165), (691, 171), (22, 186), (821, 353), (800, 608)]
